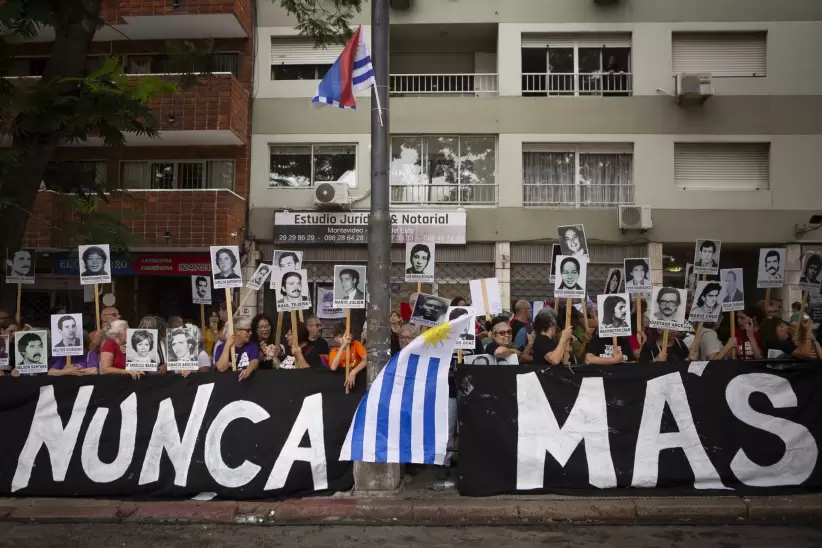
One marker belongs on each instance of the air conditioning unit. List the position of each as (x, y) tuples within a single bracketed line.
[(635, 218), (690, 86), (331, 194)]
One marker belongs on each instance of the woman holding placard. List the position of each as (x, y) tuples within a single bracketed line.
[(547, 350), (501, 338), (113, 351), (652, 351)]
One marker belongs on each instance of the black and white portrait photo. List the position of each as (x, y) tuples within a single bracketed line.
[(31, 353), (419, 260), (20, 266), (259, 277), (613, 283), (771, 271), (570, 273), (690, 278), (572, 240), (614, 314), (429, 310), (556, 251), (467, 340), (349, 286), (485, 296), (225, 266), (4, 353), (291, 288), (200, 289), (638, 276), (95, 264), (668, 308), (141, 350), (734, 291), (67, 335), (706, 256), (809, 275), (707, 304), (183, 345), (288, 260)]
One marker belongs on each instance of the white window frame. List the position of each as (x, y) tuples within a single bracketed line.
[(577, 149), (312, 145), (176, 163)]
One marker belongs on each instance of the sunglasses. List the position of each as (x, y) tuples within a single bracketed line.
[(506, 333)]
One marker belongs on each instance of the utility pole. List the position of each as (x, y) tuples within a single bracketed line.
[(378, 476)]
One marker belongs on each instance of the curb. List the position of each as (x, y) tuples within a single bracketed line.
[(728, 510)]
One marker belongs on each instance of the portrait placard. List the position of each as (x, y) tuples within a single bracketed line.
[(771, 268), (200, 290), (572, 240), (291, 288), (614, 314), (734, 298), (468, 338), (5, 361), (429, 310), (225, 266), (67, 335), (20, 266), (809, 275), (325, 305), (690, 278), (141, 350), (287, 260), (95, 264), (614, 281), (420, 262), (668, 308), (707, 303), (183, 345), (706, 256), (259, 277), (638, 276), (349, 281), (30, 352), (488, 359), (570, 273), (556, 251), (493, 303)]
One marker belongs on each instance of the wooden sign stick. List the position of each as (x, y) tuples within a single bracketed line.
[(419, 287), (348, 350), (295, 338), (733, 330), (230, 320), (639, 317), (202, 318), (665, 340), (18, 315), (459, 355), (242, 301), (96, 305), (566, 359), (767, 300), (68, 361), (801, 318), (585, 313), (279, 334), (300, 315), (485, 300), (616, 342)]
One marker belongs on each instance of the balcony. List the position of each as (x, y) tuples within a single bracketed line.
[(452, 195), (577, 84), (455, 85)]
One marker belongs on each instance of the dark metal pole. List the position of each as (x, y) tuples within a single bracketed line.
[(378, 315)]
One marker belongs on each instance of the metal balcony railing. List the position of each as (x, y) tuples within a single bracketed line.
[(577, 195), (619, 84), (447, 195), (461, 85)]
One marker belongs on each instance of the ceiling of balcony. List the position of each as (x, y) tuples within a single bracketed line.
[(176, 138), (454, 38)]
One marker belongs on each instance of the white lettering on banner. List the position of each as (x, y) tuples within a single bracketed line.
[(97, 470), (166, 437), (801, 451), (314, 454), (47, 429), (538, 432), (668, 389), (219, 470)]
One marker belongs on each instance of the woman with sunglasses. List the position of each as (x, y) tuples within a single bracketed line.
[(501, 342)]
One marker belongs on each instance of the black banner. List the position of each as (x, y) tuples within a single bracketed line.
[(727, 427), (278, 433)]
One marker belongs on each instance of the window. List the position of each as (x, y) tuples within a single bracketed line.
[(576, 64), (295, 58), (444, 169), (590, 175), (722, 166), (307, 165), (75, 176), (721, 54), (168, 174), (25, 66)]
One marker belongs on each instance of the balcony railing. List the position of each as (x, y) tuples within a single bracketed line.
[(461, 85), (578, 196), (446, 195), (615, 84)]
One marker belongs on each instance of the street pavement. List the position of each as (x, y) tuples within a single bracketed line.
[(14, 535)]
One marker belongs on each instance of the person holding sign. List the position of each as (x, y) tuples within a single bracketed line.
[(501, 338), (113, 354), (247, 353), (614, 328), (348, 349), (547, 350), (305, 354), (652, 351)]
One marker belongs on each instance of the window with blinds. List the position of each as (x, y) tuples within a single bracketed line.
[(722, 166), (177, 175), (296, 58), (740, 54)]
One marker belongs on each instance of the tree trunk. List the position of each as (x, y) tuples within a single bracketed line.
[(76, 23)]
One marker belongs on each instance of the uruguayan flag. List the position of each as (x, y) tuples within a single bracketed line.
[(404, 415)]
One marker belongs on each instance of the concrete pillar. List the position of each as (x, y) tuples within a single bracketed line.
[(502, 271), (790, 292), (250, 306), (376, 477), (656, 256)]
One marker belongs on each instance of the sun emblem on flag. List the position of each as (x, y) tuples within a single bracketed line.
[(437, 334)]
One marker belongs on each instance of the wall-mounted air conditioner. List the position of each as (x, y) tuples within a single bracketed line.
[(692, 87), (331, 194), (634, 217)]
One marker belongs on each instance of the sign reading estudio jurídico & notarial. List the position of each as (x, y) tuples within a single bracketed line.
[(316, 227)]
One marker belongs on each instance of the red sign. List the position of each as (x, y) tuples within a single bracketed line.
[(184, 264)]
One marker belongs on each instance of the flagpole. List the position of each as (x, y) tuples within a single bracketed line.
[(379, 106)]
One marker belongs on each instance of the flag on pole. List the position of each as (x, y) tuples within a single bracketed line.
[(351, 73), (404, 415)]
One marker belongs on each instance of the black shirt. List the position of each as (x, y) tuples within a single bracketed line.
[(543, 344), (320, 345), (395, 344), (677, 353), (787, 346), (604, 347), (491, 347), (311, 355)]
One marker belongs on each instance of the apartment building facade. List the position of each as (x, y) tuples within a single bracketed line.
[(522, 116), (187, 189)]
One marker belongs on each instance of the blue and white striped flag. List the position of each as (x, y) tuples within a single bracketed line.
[(404, 415)]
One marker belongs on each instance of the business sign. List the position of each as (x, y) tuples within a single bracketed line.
[(318, 228), (143, 264)]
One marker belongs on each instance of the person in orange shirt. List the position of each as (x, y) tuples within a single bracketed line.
[(339, 356)]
